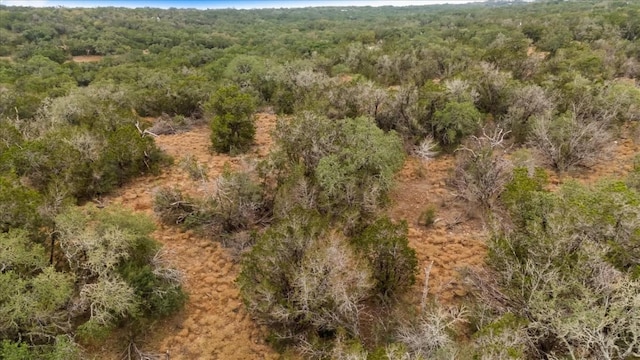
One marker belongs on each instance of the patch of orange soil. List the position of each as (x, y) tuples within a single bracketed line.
[(87, 58), (533, 52), (617, 164), (214, 323), (455, 241)]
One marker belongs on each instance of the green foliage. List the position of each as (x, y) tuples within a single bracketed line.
[(573, 249), (82, 144), (302, 280), (20, 254), (34, 306), (14, 351), (520, 195), (62, 349), (121, 271), (350, 162), (386, 247), (428, 216), (19, 205), (232, 126), (67, 131), (455, 122)]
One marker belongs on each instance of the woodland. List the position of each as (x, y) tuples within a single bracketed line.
[(523, 99)]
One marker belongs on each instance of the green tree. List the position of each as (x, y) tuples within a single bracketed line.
[(394, 263), (233, 125), (456, 121), (350, 163)]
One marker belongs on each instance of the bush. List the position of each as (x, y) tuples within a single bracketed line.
[(172, 207), (118, 268), (455, 122), (573, 249), (386, 247), (19, 205), (430, 335), (481, 172), (303, 281), (567, 141), (346, 165), (237, 202), (232, 126), (428, 216)]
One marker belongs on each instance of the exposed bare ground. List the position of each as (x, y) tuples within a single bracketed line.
[(87, 58), (456, 240), (215, 325)]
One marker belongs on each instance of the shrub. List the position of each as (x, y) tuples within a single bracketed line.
[(527, 103), (386, 247), (232, 126), (127, 154), (573, 249), (456, 121), (117, 268), (567, 141), (430, 335), (428, 216), (196, 171), (347, 164), (303, 281), (237, 202), (481, 172), (172, 207), (19, 205)]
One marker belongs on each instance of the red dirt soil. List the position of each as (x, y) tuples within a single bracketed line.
[(87, 58), (214, 323), (455, 241)]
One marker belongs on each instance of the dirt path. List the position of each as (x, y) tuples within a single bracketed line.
[(214, 323), (456, 240)]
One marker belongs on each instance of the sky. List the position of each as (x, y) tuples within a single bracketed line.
[(223, 4)]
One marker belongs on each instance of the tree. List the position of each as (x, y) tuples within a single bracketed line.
[(303, 280), (232, 126), (456, 121), (386, 247), (348, 163), (576, 250)]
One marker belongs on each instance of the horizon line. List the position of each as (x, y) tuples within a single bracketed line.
[(227, 4)]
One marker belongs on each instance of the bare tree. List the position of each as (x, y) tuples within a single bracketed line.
[(482, 171), (570, 141), (430, 335), (426, 150)]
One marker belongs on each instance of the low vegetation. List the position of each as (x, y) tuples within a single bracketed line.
[(514, 93)]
